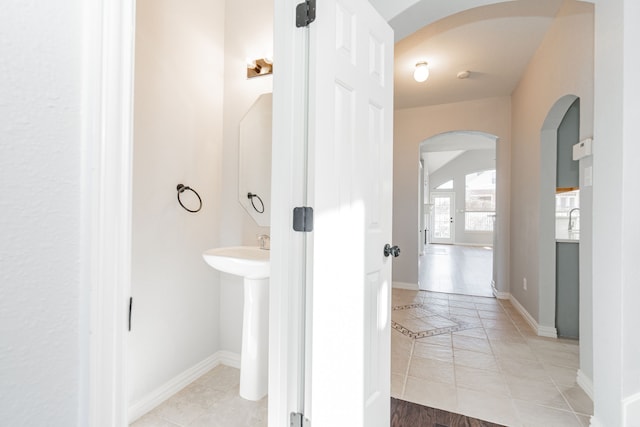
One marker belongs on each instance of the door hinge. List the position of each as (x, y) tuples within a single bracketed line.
[(303, 219), (298, 420), (305, 13), (130, 308)]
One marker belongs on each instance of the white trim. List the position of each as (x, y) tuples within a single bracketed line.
[(631, 410), (174, 385), (286, 310), (543, 331), (228, 358), (498, 294), (530, 320), (108, 33), (585, 383), (406, 285), (547, 331)]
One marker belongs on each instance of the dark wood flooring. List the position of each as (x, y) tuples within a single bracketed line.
[(407, 414)]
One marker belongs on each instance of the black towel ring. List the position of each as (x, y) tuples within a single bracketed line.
[(181, 189), (251, 196)]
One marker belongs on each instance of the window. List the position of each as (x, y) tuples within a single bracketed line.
[(480, 201), (566, 205), (446, 186)]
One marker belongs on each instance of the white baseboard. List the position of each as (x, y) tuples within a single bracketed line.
[(171, 387), (405, 285), (498, 294), (585, 383), (542, 331), (477, 245), (547, 331), (228, 358), (631, 410)]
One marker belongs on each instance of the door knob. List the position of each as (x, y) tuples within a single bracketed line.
[(391, 250)]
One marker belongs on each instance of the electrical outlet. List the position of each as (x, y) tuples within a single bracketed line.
[(524, 283)]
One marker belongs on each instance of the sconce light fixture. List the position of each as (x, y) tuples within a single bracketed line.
[(421, 73), (259, 67)]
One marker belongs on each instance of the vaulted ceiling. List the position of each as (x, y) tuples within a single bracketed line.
[(494, 43)]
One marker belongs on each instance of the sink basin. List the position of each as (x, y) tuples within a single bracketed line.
[(251, 263), (245, 261)]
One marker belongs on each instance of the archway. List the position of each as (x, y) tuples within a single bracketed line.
[(547, 229), (447, 159)]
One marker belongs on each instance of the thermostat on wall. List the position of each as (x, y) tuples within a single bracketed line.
[(582, 149)]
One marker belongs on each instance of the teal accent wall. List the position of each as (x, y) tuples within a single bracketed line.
[(567, 290), (568, 136)]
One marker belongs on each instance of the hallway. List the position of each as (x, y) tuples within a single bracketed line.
[(478, 357)]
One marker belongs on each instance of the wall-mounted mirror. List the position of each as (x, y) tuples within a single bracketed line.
[(254, 180)]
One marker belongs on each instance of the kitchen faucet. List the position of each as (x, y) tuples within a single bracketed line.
[(570, 216)]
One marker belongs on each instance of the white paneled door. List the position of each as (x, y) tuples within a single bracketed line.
[(350, 128)]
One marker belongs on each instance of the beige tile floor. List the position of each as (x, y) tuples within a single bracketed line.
[(210, 401), (483, 361)]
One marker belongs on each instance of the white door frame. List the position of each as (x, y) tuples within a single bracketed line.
[(108, 60), (288, 275), (108, 35), (422, 225)]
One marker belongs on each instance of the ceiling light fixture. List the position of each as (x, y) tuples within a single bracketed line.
[(463, 74), (421, 73)]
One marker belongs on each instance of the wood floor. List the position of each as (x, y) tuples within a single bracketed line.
[(407, 414), (465, 270)]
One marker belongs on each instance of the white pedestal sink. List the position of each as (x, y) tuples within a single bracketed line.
[(252, 263)]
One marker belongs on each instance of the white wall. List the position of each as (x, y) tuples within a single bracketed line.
[(40, 118), (43, 329), (414, 125), (616, 207), (468, 162), (248, 34), (177, 139), (563, 65)]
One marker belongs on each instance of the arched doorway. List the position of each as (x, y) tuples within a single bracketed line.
[(451, 213)]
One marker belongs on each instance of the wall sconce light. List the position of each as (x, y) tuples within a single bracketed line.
[(259, 67), (421, 73)]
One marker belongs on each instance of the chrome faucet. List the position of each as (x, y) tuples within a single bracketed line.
[(570, 217), (264, 241)]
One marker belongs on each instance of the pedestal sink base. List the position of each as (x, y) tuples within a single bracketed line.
[(252, 264), (254, 368)]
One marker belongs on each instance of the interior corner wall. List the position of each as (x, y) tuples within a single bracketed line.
[(248, 34), (468, 162), (414, 125), (177, 139), (562, 65)]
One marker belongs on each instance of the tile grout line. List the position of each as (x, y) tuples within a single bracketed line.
[(573, 411), (555, 384), (522, 333), (406, 373)]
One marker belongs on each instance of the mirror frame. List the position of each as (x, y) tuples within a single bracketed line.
[(254, 160)]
